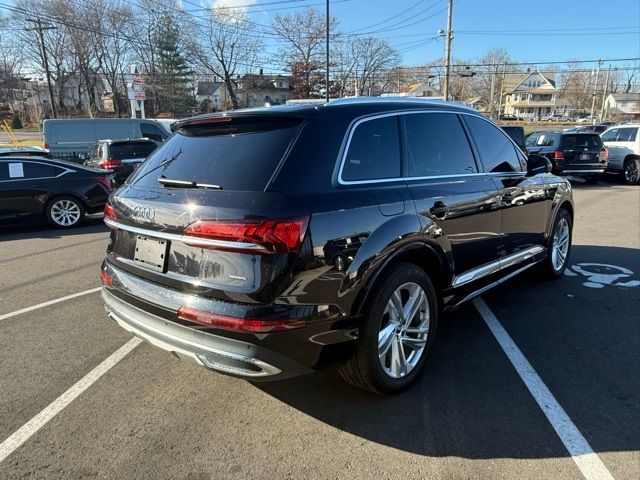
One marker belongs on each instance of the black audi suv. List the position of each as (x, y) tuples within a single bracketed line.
[(267, 243)]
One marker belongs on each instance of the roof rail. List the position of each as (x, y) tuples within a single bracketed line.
[(423, 100)]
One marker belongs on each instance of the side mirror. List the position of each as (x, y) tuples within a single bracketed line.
[(538, 164)]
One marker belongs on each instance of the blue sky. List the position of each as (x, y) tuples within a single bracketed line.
[(531, 31)]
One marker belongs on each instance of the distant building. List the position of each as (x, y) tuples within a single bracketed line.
[(622, 105), (259, 90), (534, 97), (417, 90), (215, 92)]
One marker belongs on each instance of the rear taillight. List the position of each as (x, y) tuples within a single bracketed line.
[(46, 146), (110, 163), (558, 155), (605, 154), (109, 213), (104, 182), (251, 325), (106, 278), (274, 236)]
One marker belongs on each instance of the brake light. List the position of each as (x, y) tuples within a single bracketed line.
[(46, 146), (558, 155), (605, 154), (110, 163), (275, 236), (109, 212), (251, 325), (106, 278), (104, 181)]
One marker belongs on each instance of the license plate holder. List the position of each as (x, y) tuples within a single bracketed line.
[(151, 253), (585, 156)]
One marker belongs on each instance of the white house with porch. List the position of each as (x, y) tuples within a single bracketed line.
[(535, 97)]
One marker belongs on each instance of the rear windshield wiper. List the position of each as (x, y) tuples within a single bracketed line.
[(171, 182)]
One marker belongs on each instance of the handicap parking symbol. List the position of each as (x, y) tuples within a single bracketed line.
[(599, 275)]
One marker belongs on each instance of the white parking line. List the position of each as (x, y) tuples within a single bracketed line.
[(36, 423), (581, 452), (50, 302)]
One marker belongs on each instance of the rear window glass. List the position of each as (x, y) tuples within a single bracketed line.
[(374, 151), (238, 153), (581, 141), (131, 150)]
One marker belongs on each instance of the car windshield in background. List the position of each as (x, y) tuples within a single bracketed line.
[(582, 141), (237, 153), (541, 141), (131, 150)]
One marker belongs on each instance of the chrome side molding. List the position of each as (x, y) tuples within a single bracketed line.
[(495, 266)]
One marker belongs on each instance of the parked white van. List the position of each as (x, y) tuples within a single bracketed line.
[(623, 145), (72, 138)]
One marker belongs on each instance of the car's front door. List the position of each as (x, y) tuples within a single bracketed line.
[(448, 189), (525, 201)]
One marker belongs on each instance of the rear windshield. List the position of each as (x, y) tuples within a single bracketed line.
[(237, 153), (582, 141), (131, 150)]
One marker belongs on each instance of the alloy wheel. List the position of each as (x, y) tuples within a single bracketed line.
[(65, 213), (560, 246), (631, 172), (404, 329)]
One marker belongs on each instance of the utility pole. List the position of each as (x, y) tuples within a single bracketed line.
[(504, 70), (604, 93), (595, 89), (327, 79), (43, 51), (447, 54)]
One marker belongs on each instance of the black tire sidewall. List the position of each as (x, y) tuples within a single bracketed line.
[(57, 199), (399, 274)]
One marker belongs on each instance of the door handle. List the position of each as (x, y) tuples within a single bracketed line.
[(439, 209)]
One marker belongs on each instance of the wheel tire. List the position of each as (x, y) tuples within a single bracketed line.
[(65, 212), (364, 369), (552, 268), (631, 172)]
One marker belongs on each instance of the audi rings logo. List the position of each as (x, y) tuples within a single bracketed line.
[(144, 213)]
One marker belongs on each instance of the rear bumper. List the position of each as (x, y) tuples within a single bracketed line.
[(225, 355), (582, 171)]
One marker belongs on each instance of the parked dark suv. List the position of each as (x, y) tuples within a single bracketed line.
[(267, 243), (576, 154)]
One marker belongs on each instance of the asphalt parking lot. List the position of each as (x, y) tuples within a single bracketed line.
[(473, 415)]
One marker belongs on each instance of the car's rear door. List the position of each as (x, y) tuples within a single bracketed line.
[(525, 201), (448, 188)]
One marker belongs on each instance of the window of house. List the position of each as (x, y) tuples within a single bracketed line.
[(374, 151), (437, 145)]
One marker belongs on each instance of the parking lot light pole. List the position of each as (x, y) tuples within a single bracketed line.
[(595, 90)]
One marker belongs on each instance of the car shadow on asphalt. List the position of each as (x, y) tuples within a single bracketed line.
[(41, 229), (472, 404)]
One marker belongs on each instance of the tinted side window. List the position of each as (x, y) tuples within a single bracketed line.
[(627, 134), (151, 131), (374, 151), (40, 170), (532, 139), (497, 151), (437, 145), (610, 135)]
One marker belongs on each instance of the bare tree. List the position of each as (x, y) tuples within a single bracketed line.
[(226, 45), (11, 61), (372, 56), (304, 33)]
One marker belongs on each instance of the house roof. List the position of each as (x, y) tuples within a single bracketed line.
[(625, 96), (549, 76), (417, 86), (208, 88), (262, 82)]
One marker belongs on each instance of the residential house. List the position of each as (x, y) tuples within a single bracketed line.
[(259, 90), (417, 90), (536, 96), (622, 106), (216, 92), (70, 95)]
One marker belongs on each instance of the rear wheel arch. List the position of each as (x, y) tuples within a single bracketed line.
[(423, 255)]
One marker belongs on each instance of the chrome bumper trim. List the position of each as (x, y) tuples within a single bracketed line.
[(201, 353), (569, 172)]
